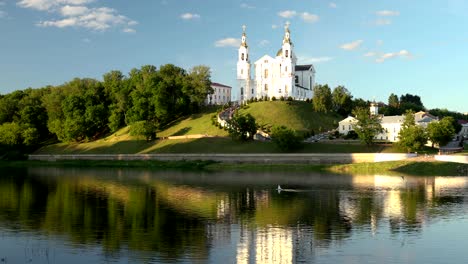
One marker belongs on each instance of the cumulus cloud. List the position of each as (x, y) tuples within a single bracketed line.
[(383, 22), (400, 54), (310, 18), (228, 42), (370, 54), (189, 16), (247, 6), (332, 5), (76, 13), (287, 13), (387, 13), (315, 59), (352, 45), (44, 5)]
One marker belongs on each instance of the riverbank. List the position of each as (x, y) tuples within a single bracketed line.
[(407, 167)]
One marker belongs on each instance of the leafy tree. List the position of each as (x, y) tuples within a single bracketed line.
[(116, 90), (411, 137), (393, 101), (144, 128), (368, 126), (360, 103), (286, 139), (242, 127), (411, 102), (342, 100), (441, 132), (322, 100), (199, 85), (10, 134)]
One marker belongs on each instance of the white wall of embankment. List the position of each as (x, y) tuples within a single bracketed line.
[(335, 158), (452, 158)]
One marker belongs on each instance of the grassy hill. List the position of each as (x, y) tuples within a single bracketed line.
[(297, 115)]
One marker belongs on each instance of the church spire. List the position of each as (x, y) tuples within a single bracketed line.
[(287, 33), (244, 37)]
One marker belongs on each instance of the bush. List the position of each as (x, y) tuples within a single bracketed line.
[(273, 98), (290, 98), (307, 100), (143, 128), (286, 139), (242, 127), (351, 135), (282, 98)]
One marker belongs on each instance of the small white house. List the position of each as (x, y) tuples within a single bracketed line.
[(464, 131), (221, 94), (391, 124)]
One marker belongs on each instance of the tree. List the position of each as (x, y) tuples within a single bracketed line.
[(411, 137), (199, 85), (285, 139), (368, 126), (322, 100), (242, 127), (441, 132), (342, 100), (393, 101), (411, 102), (144, 128)]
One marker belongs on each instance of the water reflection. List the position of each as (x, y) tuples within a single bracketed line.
[(145, 216)]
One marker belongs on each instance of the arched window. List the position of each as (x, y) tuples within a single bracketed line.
[(242, 56), (266, 87), (266, 73), (287, 53), (242, 90)]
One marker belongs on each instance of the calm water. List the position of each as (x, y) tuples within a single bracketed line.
[(56, 215)]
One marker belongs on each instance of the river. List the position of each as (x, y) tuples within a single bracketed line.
[(99, 215)]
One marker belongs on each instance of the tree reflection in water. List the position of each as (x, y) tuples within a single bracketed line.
[(167, 216)]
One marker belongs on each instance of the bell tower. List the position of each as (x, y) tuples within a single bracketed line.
[(243, 69)]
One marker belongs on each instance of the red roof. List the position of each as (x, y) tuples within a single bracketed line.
[(220, 85)]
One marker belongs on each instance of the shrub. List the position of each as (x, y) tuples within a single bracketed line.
[(290, 98), (282, 98), (286, 139), (351, 135), (242, 127), (273, 98), (143, 128), (307, 100)]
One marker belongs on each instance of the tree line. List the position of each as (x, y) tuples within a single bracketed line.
[(86, 109)]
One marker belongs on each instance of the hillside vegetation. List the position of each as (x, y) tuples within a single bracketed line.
[(296, 115)]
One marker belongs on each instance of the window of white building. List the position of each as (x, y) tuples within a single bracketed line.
[(266, 87)]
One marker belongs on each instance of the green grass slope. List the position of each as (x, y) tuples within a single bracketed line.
[(296, 115)]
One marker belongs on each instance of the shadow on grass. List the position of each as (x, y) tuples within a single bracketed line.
[(433, 169), (182, 131)]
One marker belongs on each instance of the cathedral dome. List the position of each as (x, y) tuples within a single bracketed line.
[(280, 52)]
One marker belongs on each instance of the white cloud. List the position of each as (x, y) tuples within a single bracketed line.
[(129, 30), (310, 18), (75, 13), (189, 16), (332, 5), (315, 59), (287, 13), (379, 42), (228, 42), (370, 54), (44, 5), (352, 45), (387, 13), (247, 6), (274, 26), (401, 54), (73, 10), (264, 43)]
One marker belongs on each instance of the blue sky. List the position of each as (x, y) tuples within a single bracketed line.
[(372, 47)]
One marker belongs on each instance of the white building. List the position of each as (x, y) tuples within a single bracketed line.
[(391, 124), (274, 77), (221, 94)]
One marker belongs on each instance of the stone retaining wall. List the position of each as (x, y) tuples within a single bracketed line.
[(336, 158)]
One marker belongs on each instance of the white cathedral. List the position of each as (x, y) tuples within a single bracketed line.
[(274, 77)]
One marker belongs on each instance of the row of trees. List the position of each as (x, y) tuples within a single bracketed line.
[(85, 109)]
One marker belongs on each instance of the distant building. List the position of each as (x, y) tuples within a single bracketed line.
[(464, 131), (221, 94), (391, 124), (278, 76)]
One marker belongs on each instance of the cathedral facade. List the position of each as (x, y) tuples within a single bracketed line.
[(277, 77)]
